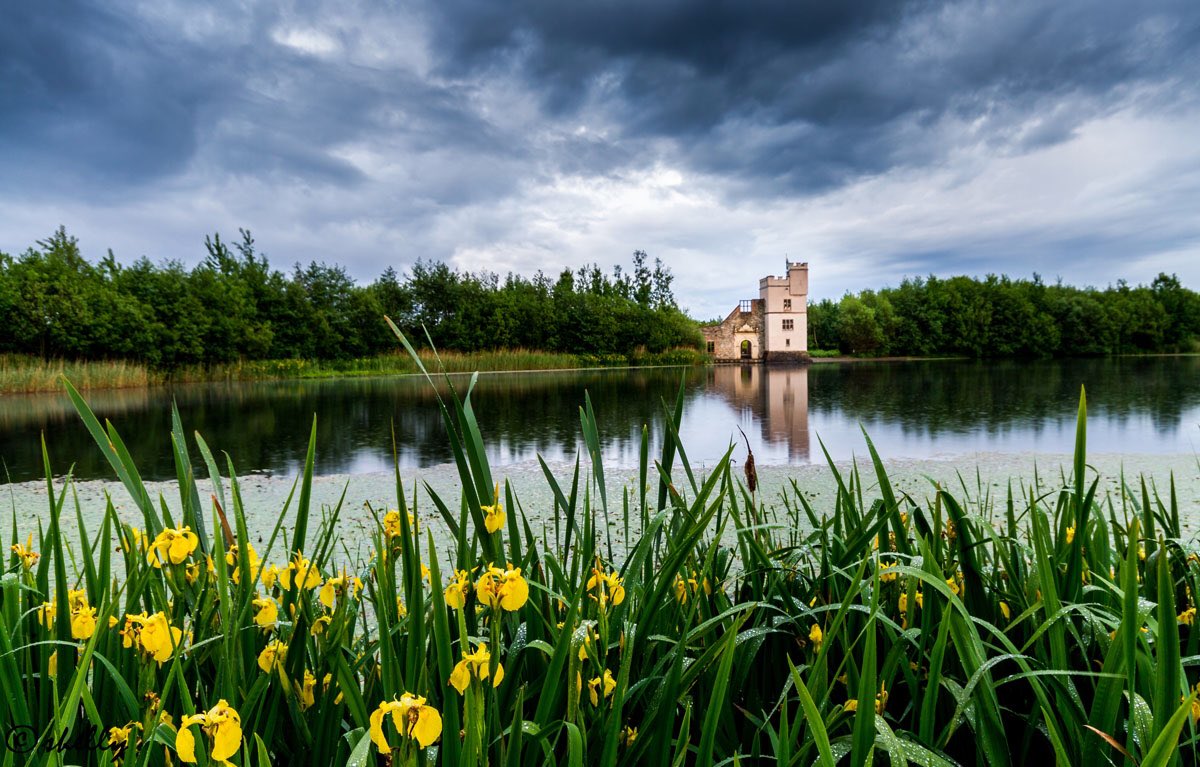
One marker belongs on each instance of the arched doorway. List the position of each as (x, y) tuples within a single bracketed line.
[(746, 349)]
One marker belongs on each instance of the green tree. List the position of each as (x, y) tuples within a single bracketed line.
[(858, 329)]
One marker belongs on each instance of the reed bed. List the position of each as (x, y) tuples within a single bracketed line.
[(1027, 628), (21, 374), (500, 360)]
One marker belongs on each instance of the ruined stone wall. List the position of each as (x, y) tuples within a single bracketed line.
[(727, 338)]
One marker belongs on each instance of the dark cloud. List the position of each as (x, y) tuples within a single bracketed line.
[(811, 94), (779, 97), (100, 98), (82, 91), (889, 135)]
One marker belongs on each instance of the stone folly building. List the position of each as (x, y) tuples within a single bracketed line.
[(770, 328)]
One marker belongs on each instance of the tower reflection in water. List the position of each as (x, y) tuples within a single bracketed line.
[(775, 398)]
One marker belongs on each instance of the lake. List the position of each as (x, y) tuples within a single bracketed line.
[(912, 410)]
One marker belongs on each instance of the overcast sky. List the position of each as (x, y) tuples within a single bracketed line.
[(874, 140)]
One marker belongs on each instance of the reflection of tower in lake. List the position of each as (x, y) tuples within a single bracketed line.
[(777, 397)]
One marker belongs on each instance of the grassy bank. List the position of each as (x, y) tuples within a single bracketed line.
[(1021, 628), (31, 374)]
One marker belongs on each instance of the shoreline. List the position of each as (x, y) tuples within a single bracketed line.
[(134, 376), (43, 377)]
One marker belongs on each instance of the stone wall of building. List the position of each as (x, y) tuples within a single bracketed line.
[(788, 358), (724, 341)]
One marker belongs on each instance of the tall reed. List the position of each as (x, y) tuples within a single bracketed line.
[(19, 373)]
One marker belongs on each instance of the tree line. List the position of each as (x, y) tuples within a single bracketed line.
[(233, 305), (1003, 317)]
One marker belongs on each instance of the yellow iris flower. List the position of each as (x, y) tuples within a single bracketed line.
[(880, 702), (47, 613), (609, 684), (118, 739), (884, 575), (411, 718), (493, 516), (270, 574), (25, 553), (682, 587), (83, 622), (267, 612), (918, 597), (320, 624), (305, 694), (272, 655), (955, 585), (456, 592), (332, 587), (235, 570), (477, 665), (172, 545), (502, 588), (153, 635), (607, 586), (391, 523), (339, 586), (301, 572), (816, 636), (221, 724)]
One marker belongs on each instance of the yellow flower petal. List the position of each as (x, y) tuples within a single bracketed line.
[(185, 745), (377, 729), (227, 740), (460, 677), (326, 595), (514, 592), (428, 727)]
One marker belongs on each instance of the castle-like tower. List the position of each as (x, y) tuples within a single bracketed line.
[(770, 328), (785, 311)]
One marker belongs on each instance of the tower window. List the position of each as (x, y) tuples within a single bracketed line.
[(789, 324), (711, 347), (787, 304)]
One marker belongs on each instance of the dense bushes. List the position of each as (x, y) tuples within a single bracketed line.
[(999, 317), (234, 306)]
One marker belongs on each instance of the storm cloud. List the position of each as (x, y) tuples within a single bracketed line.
[(873, 139)]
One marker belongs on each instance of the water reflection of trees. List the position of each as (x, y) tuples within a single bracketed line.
[(265, 426), (942, 397)]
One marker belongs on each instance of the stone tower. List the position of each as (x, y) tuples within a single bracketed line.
[(785, 311)]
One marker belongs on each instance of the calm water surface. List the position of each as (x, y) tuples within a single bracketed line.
[(911, 410)]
